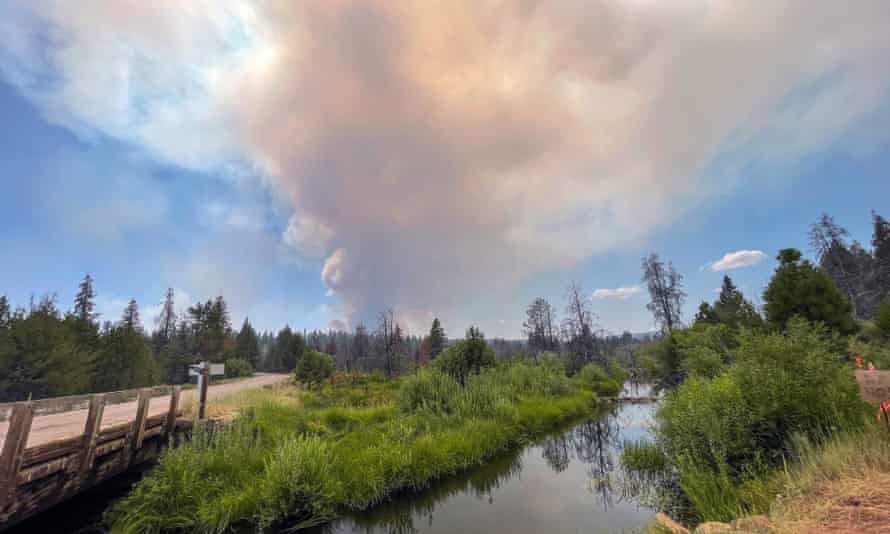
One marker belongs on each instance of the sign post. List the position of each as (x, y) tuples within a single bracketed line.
[(204, 370), (874, 387)]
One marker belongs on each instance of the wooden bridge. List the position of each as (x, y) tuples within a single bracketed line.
[(119, 430), (55, 448)]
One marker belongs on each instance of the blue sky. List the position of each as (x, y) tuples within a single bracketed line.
[(313, 182)]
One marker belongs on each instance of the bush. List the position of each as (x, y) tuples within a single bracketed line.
[(735, 426), (238, 367), (314, 368), (465, 357), (592, 377)]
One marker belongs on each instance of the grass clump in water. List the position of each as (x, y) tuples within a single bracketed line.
[(643, 457)]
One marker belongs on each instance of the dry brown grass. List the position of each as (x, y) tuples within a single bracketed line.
[(227, 407), (860, 505), (842, 487)]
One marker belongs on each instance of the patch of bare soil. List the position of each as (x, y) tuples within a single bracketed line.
[(846, 506)]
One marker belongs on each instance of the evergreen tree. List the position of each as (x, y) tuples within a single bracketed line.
[(437, 338), (212, 330), (5, 313), (540, 327), (83, 320), (40, 356), (798, 288), (247, 345), (331, 346), (731, 308), (288, 349), (706, 314), (130, 318), (881, 253), (85, 301), (361, 347)]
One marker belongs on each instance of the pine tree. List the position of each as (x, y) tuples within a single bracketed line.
[(437, 338), (247, 345), (331, 345), (40, 356), (5, 313), (732, 309), (540, 327), (881, 253), (130, 318), (85, 301), (798, 288), (361, 347)]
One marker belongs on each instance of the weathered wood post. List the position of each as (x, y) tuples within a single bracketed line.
[(13, 448), (170, 425), (204, 381), (141, 415), (91, 432)]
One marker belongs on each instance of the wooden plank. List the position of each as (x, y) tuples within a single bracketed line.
[(61, 404), (43, 470), (171, 414), (141, 413), (91, 432), (13, 446)]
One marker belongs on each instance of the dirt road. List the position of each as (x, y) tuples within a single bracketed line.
[(47, 428)]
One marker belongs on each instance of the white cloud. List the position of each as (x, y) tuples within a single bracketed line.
[(618, 292), (737, 260)]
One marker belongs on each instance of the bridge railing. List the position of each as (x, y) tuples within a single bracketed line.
[(21, 463)]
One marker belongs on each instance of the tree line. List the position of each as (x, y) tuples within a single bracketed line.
[(847, 290), (46, 352)]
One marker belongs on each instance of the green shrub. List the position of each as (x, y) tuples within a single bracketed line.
[(593, 378), (238, 367), (314, 368), (727, 431), (465, 357)]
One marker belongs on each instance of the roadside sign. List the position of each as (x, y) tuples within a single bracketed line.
[(217, 369), (874, 386)]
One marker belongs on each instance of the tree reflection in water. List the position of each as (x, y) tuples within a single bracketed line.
[(595, 444)]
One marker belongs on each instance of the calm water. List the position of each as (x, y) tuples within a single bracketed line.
[(570, 481)]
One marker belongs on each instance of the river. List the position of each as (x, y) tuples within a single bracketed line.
[(568, 482)]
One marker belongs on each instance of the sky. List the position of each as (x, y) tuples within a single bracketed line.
[(318, 162)]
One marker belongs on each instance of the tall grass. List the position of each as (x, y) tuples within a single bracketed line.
[(282, 462)]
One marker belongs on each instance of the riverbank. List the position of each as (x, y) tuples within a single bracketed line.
[(305, 457), (839, 486)]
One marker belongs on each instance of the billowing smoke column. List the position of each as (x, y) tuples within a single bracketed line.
[(433, 153)]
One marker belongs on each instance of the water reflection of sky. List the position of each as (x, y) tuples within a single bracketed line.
[(568, 482)]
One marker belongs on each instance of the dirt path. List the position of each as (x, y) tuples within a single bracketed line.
[(47, 428)]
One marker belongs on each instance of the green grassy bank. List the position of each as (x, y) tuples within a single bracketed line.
[(304, 457)]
